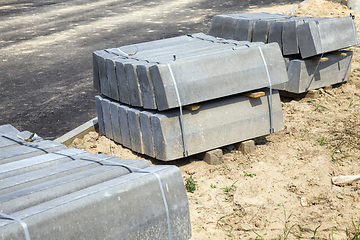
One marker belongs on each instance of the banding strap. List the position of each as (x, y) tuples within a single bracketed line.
[(185, 153), (270, 86), (140, 170), (23, 224)]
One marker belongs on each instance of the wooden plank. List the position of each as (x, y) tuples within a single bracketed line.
[(254, 94), (192, 107)]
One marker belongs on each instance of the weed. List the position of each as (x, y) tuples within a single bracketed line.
[(287, 229), (355, 188), (226, 224), (191, 184), (212, 185), (249, 174), (332, 232), (322, 140), (111, 152), (228, 189), (351, 103), (356, 233), (320, 108), (316, 231)]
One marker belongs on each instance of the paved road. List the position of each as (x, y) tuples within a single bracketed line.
[(46, 50)]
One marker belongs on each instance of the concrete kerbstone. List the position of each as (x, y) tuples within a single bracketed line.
[(115, 122), (213, 157), (99, 111), (135, 130)]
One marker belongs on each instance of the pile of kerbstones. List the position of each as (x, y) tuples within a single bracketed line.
[(49, 191), (309, 45), (144, 87)]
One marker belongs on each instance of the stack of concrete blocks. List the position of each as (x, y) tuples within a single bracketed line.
[(200, 69), (303, 40), (65, 193)]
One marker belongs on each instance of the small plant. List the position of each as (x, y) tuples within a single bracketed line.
[(351, 103), (287, 229), (111, 152), (212, 185), (249, 174), (191, 184), (332, 232), (316, 231), (356, 233), (229, 231), (320, 108), (322, 140), (228, 189)]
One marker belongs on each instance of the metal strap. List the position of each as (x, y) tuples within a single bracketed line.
[(23, 224), (270, 86), (180, 108), (140, 170)]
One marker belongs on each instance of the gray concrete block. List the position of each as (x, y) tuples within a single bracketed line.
[(115, 122), (244, 29), (47, 190), (146, 133), (28, 149), (122, 83), (113, 83), (275, 33), (134, 86), (104, 82), (124, 125), (222, 117), (261, 31), (99, 112), (105, 105), (246, 147), (302, 75), (38, 162), (289, 38), (216, 25), (146, 87), (108, 210), (135, 130), (326, 35), (228, 29), (8, 129), (200, 82)]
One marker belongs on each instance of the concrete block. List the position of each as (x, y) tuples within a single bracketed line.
[(261, 30), (146, 133), (289, 38), (111, 75), (28, 149), (135, 130), (221, 116), (115, 122), (302, 75), (38, 162), (275, 33), (23, 198), (100, 58), (134, 86), (122, 83), (105, 105), (326, 35), (213, 157), (200, 82), (228, 29), (97, 212), (146, 87), (8, 129), (99, 112), (246, 147), (124, 125), (216, 25)]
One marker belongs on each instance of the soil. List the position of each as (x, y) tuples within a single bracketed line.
[(283, 189)]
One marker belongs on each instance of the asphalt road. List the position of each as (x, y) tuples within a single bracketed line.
[(46, 50)]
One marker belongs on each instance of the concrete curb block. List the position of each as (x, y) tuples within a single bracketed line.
[(80, 131)]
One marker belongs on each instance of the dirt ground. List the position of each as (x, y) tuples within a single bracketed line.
[(283, 190)]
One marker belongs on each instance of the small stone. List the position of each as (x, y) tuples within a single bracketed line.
[(303, 201), (312, 94), (327, 88), (339, 196)]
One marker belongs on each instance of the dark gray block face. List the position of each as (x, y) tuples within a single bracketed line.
[(105, 105), (146, 87), (122, 83), (201, 80), (72, 194), (135, 130), (228, 29), (115, 122), (134, 86), (124, 125), (100, 116), (261, 31), (326, 35), (289, 38), (111, 74), (225, 117), (104, 82), (146, 133), (216, 25), (275, 33), (302, 75)]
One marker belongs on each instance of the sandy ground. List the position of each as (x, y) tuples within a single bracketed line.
[(283, 190)]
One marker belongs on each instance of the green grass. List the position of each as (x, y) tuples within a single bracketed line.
[(190, 184)]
